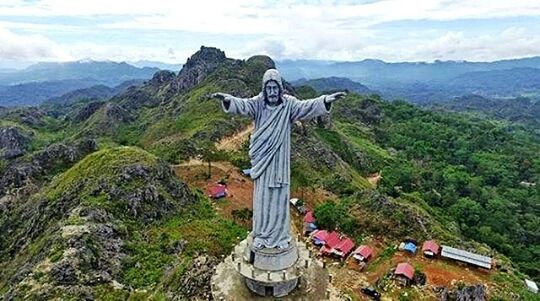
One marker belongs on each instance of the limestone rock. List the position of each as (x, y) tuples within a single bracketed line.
[(197, 68), (13, 143)]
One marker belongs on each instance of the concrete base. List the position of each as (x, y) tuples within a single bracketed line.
[(278, 289), (238, 280), (271, 259)]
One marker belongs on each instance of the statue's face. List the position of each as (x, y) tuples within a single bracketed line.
[(272, 92)]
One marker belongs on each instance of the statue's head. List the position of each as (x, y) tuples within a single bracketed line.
[(272, 87)]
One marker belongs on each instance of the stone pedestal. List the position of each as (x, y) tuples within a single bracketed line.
[(270, 259), (269, 272), (242, 277)]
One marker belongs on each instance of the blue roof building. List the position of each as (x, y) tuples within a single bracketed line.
[(410, 247)]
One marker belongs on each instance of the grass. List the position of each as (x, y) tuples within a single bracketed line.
[(385, 255), (202, 230), (101, 165)]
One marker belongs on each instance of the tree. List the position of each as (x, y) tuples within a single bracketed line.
[(210, 154)]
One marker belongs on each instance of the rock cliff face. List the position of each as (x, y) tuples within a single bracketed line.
[(86, 111), (197, 68), (78, 229), (13, 143), (21, 173)]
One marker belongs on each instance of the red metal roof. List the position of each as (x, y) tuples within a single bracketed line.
[(430, 245), (333, 239), (345, 245), (405, 269), (218, 189), (364, 251), (325, 250), (321, 235), (309, 218)]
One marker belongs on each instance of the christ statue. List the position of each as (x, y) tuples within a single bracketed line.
[(274, 113)]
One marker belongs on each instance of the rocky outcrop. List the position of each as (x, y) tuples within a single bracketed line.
[(116, 113), (87, 111), (29, 116), (162, 77), (57, 156), (467, 293), (196, 281), (13, 143), (471, 293), (197, 68), (87, 219)]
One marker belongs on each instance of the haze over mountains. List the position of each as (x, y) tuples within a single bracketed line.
[(422, 82), (417, 82), (42, 81)]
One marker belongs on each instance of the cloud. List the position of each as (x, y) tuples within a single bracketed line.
[(339, 30), (27, 47)]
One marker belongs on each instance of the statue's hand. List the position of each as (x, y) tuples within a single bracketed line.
[(220, 96), (333, 97)]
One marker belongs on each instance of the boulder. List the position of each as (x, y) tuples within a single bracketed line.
[(13, 143)]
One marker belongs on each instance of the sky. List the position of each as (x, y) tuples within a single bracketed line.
[(170, 31)]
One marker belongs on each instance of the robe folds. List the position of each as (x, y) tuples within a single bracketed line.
[(269, 152)]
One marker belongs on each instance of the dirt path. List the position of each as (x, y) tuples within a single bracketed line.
[(235, 141)]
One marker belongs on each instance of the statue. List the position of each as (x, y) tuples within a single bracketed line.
[(274, 113)]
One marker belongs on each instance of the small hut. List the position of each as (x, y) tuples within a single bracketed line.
[(218, 191), (363, 253), (404, 273), (319, 237), (309, 222), (408, 247), (430, 248), (343, 248)]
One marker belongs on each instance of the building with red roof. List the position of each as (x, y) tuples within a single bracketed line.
[(319, 237), (309, 222), (363, 253), (344, 247), (309, 217), (333, 239), (218, 191), (404, 273), (430, 248)]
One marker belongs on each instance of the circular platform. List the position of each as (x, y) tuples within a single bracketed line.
[(237, 279), (269, 259)]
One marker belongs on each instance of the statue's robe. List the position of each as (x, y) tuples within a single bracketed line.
[(270, 148)]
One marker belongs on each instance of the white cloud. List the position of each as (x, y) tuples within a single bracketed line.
[(341, 30), (28, 47)]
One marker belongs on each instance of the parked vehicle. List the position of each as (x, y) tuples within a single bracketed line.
[(370, 291)]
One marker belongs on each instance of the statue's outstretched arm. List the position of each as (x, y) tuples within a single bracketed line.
[(235, 105), (311, 108)]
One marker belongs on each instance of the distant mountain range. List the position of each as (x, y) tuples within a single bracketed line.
[(520, 109), (92, 93), (109, 73), (155, 64), (42, 81), (417, 82), (333, 83), (371, 71), (423, 82)]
